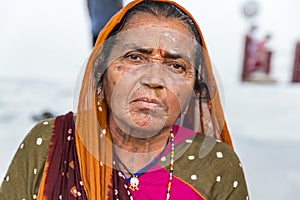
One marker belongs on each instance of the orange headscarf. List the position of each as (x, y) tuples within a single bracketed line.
[(97, 178)]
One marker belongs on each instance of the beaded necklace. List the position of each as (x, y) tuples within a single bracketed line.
[(133, 179), (172, 153)]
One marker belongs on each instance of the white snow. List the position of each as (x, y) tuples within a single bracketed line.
[(44, 44)]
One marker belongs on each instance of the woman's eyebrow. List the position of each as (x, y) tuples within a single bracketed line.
[(145, 50), (138, 48), (165, 54), (172, 55)]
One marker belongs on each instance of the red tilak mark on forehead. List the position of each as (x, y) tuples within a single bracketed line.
[(161, 52)]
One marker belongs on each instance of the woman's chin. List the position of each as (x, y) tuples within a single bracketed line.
[(147, 126), (142, 127)]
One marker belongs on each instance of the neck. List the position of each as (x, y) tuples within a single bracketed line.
[(134, 152), (130, 143)]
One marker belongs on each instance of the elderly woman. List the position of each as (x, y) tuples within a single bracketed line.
[(149, 123)]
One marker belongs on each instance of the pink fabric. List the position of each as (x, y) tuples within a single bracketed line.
[(153, 184)]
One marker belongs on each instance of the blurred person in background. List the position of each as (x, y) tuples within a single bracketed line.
[(250, 52), (296, 66), (262, 65), (257, 58), (100, 12)]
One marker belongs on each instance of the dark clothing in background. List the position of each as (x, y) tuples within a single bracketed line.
[(100, 12)]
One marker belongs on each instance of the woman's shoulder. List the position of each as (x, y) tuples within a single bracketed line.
[(215, 150), (208, 149), (37, 139), (41, 131), (213, 168), (24, 173)]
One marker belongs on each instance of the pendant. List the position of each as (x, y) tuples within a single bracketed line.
[(134, 182)]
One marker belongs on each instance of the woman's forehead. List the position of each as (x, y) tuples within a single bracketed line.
[(143, 20), (147, 38)]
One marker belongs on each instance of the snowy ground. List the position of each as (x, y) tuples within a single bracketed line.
[(45, 44)]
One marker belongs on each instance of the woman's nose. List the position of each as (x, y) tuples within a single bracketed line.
[(154, 77)]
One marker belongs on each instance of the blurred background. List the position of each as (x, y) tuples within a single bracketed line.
[(45, 44)]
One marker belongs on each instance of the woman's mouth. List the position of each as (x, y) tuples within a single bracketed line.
[(149, 103)]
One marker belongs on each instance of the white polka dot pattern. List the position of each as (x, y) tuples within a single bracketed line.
[(120, 174), (189, 141), (39, 141), (194, 177), (219, 154), (235, 184), (191, 157)]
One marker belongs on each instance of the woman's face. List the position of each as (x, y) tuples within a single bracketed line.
[(150, 77)]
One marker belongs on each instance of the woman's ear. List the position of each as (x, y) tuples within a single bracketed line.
[(100, 92)]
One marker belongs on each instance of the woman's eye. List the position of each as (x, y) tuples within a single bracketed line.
[(134, 57), (178, 68)]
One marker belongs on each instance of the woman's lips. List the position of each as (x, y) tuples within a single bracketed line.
[(147, 102)]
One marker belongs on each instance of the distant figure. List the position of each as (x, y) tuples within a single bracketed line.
[(296, 68), (100, 12), (264, 54), (253, 49), (250, 51), (257, 59), (42, 116)]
